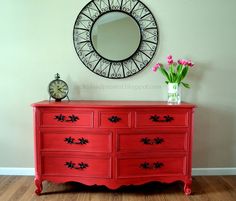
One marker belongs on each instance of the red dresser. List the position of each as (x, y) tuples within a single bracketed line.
[(113, 143)]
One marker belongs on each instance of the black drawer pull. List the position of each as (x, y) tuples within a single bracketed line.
[(114, 119), (81, 141), (79, 166), (72, 118), (166, 118), (149, 141), (156, 165)]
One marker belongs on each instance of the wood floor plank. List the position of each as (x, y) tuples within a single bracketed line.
[(215, 189), (3, 179), (224, 190), (112, 196), (21, 189), (29, 194), (7, 183), (231, 180), (11, 190), (210, 188), (200, 190)]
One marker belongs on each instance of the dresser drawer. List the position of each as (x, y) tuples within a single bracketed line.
[(113, 119), (77, 141), (78, 166), (66, 118), (158, 118), (143, 167), (152, 141)]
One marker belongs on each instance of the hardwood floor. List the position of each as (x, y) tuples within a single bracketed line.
[(210, 188)]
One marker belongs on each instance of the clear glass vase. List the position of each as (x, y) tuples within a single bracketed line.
[(174, 93)]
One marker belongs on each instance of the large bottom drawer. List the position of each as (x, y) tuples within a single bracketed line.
[(155, 166), (81, 166)]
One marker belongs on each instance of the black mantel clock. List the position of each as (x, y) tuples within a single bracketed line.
[(58, 89)]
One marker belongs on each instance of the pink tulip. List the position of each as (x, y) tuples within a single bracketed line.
[(154, 68), (183, 62), (170, 61), (158, 65), (169, 57), (190, 63)]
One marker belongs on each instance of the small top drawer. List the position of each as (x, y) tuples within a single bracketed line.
[(66, 118), (114, 119), (158, 118)]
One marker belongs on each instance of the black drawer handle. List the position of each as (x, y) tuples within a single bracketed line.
[(62, 118), (79, 166), (81, 141), (166, 118), (156, 165), (114, 119), (154, 141)]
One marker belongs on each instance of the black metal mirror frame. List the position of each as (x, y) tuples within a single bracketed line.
[(108, 68)]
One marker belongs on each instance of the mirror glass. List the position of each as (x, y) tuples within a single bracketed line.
[(116, 36)]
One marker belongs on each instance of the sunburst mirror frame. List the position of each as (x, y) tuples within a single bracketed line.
[(115, 69)]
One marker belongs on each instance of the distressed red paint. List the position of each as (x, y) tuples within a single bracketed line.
[(113, 143)]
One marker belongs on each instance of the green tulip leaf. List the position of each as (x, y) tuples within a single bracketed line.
[(163, 71), (184, 72), (179, 69), (185, 85)]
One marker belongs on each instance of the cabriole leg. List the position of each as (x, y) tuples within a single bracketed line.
[(39, 186), (187, 188)]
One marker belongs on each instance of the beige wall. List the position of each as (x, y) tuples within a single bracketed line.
[(36, 42)]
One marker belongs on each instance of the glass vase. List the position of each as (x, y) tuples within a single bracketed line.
[(174, 93)]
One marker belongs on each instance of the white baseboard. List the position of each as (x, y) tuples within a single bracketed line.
[(213, 171), (195, 171), (16, 171)]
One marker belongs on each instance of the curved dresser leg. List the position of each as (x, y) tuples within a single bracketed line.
[(187, 188), (39, 186)]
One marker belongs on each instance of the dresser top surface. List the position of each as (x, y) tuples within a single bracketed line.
[(101, 103)]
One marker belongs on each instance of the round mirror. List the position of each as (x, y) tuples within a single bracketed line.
[(115, 39), (115, 36)]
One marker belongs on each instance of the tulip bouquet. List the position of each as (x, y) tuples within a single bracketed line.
[(175, 72)]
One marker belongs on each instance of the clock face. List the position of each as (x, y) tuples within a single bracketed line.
[(58, 89)]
